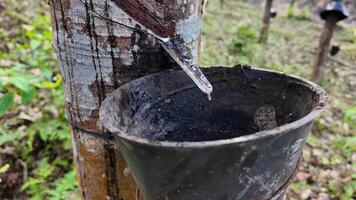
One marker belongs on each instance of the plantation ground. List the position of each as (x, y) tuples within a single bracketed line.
[(35, 155)]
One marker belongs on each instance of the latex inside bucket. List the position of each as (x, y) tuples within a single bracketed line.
[(169, 107)]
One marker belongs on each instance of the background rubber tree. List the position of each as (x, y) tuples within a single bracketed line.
[(266, 21), (100, 47), (334, 12)]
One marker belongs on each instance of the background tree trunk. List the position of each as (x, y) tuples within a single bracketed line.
[(97, 52), (323, 49), (266, 21)]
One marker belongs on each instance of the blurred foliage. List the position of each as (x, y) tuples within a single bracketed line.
[(3, 169), (350, 117), (33, 130), (351, 35), (245, 42), (297, 13)]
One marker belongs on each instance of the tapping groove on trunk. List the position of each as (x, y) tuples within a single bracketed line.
[(112, 43), (65, 51)]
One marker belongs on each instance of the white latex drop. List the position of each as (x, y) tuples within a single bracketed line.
[(187, 64)]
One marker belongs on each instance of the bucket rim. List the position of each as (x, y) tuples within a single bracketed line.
[(312, 115)]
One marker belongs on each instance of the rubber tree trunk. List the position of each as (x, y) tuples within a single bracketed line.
[(266, 21), (97, 52), (323, 49)]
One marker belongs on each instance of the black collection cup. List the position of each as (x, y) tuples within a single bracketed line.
[(244, 144)]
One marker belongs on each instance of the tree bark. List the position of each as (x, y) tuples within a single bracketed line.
[(266, 21), (98, 51), (323, 49)]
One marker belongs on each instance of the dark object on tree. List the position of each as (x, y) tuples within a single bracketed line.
[(266, 21), (334, 12), (222, 2), (334, 50), (335, 8), (273, 13), (180, 146)]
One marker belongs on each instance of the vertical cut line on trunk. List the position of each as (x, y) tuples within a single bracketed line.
[(90, 33), (112, 44)]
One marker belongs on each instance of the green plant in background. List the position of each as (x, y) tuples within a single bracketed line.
[(6, 102), (3, 169), (290, 12), (350, 117), (37, 186), (297, 13), (31, 101), (64, 187), (245, 43), (31, 69), (350, 35), (43, 186)]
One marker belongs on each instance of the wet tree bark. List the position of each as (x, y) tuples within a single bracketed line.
[(266, 21), (323, 49), (100, 47)]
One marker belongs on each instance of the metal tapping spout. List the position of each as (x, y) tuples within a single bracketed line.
[(174, 44)]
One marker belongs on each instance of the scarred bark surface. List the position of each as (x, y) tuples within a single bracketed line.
[(99, 48)]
